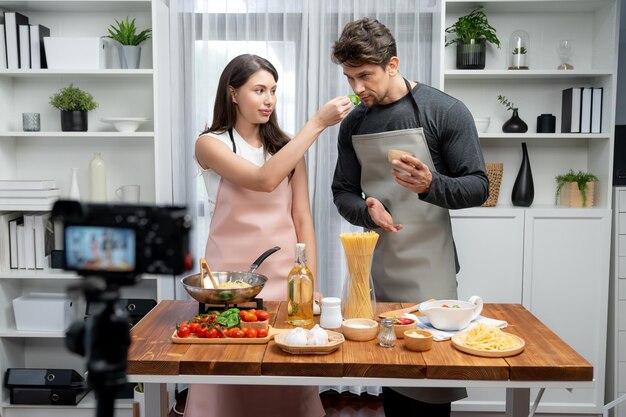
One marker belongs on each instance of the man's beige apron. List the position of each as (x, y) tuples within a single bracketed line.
[(418, 262)]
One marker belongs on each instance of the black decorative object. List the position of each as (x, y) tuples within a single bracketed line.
[(523, 189), (546, 123), (74, 121), (471, 55), (514, 124)]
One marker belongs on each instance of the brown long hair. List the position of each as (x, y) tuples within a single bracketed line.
[(236, 74), (364, 41)]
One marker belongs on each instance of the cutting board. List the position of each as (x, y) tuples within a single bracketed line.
[(192, 339)]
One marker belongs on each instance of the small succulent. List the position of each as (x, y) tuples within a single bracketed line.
[(518, 51), (126, 33)]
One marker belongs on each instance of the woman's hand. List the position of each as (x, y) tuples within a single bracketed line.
[(333, 112)]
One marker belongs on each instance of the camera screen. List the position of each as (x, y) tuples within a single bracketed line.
[(99, 248)]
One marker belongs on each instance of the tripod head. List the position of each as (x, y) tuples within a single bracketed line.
[(110, 245)]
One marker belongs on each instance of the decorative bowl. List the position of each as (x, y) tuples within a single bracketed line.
[(418, 340), (452, 314), (400, 328), (360, 330), (125, 124), (482, 123)]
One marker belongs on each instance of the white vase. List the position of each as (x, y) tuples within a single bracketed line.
[(74, 193), (140, 397), (97, 177), (129, 56)]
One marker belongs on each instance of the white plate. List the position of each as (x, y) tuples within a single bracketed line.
[(125, 124)]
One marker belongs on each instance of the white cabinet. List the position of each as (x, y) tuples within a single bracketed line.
[(616, 360), (142, 157), (553, 259)]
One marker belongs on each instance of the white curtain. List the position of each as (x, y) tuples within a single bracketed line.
[(297, 37)]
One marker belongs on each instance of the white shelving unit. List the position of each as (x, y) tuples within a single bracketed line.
[(551, 259), (142, 157)]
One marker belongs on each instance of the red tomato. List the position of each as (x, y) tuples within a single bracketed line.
[(261, 333), (242, 314), (251, 333), (183, 331), (238, 334), (221, 333), (231, 331), (250, 317), (262, 315), (194, 327), (201, 331), (253, 311), (204, 319), (183, 323), (212, 333)]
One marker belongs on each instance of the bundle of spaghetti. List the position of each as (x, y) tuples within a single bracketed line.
[(485, 337), (359, 248)]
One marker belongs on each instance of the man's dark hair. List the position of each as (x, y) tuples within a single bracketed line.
[(364, 41)]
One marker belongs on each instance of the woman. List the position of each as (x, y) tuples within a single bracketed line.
[(256, 182)]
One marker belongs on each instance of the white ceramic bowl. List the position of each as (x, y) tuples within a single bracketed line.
[(125, 124), (452, 314), (482, 123)]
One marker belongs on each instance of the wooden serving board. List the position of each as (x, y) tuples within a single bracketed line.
[(457, 342), (334, 340), (192, 339)]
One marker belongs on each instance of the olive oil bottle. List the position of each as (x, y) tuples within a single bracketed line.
[(300, 291)]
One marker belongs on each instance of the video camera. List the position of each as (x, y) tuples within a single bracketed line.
[(110, 245), (118, 242)]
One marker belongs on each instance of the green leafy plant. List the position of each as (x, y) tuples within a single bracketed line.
[(518, 51), (580, 178), (73, 98), (354, 99), (126, 33), (506, 103), (139, 387), (473, 28)]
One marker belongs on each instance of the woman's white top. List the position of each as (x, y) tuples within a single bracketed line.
[(244, 149)]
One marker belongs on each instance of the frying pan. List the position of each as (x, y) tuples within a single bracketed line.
[(194, 286)]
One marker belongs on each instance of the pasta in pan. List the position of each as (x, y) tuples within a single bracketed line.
[(490, 338), (233, 284)]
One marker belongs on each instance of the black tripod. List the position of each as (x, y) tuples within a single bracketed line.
[(103, 339)]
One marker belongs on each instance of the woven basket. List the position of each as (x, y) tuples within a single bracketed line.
[(494, 173)]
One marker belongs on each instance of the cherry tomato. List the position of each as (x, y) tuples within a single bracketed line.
[(212, 333), (238, 334), (253, 311), (249, 317), (261, 333), (194, 327), (221, 333), (183, 331), (251, 333), (201, 332), (183, 323), (204, 319), (231, 331), (262, 315), (242, 314)]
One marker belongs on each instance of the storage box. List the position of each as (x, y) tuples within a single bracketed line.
[(75, 53), (44, 312), (572, 197)]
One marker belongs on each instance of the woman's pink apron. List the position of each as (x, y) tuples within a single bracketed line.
[(245, 224)]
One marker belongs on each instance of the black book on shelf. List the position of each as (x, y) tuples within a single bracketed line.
[(38, 377), (571, 105), (37, 51)]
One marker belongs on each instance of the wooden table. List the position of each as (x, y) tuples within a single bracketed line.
[(547, 361)]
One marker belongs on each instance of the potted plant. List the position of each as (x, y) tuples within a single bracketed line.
[(129, 49), (575, 189), (514, 124), (74, 104), (518, 45), (472, 32)]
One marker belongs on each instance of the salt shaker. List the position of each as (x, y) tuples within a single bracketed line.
[(386, 336), (330, 318)]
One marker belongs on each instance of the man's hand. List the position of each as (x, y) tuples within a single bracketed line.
[(414, 174), (381, 216)]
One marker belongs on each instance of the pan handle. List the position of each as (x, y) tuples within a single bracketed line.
[(258, 261)]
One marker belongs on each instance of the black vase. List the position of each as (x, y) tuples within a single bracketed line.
[(514, 124), (74, 121), (523, 189), (471, 55)]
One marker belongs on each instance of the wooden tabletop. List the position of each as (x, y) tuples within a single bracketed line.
[(545, 358)]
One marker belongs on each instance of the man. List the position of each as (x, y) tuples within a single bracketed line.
[(408, 201)]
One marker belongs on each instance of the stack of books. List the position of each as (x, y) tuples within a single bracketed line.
[(24, 195), (581, 110), (26, 240), (21, 43)]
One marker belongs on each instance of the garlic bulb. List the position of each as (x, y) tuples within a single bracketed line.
[(296, 337)]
